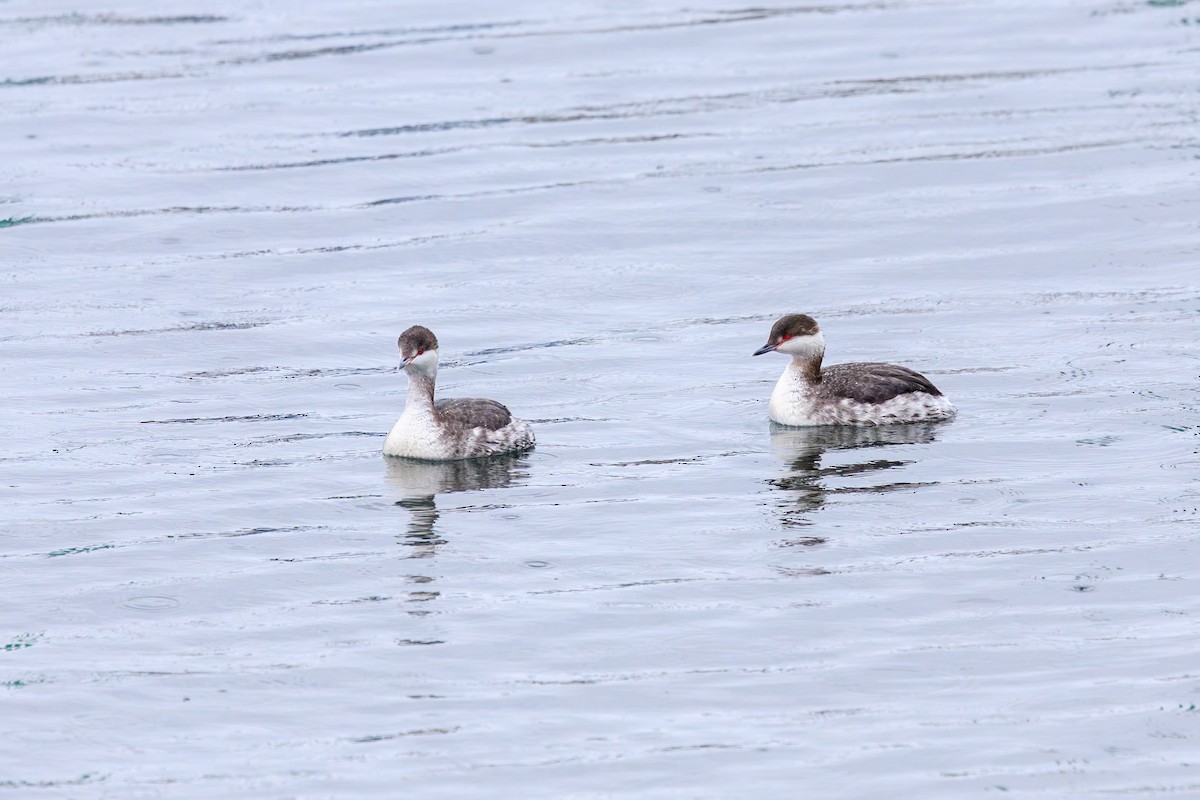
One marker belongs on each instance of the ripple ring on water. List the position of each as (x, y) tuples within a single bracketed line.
[(151, 602)]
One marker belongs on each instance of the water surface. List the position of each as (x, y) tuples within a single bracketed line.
[(217, 220)]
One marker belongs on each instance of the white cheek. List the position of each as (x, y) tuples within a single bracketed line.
[(803, 346), (426, 362)]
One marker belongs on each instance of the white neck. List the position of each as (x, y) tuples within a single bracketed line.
[(422, 377), (420, 394)]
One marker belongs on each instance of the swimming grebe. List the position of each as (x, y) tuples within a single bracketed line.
[(845, 394), (448, 429)]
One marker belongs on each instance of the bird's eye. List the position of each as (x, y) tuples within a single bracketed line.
[(785, 337), (420, 352)]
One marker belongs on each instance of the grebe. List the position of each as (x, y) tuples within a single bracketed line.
[(448, 429), (845, 394)]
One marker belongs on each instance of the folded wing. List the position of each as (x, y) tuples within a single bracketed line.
[(874, 383), (465, 413)]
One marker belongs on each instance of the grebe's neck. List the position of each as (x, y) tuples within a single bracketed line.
[(808, 367), (420, 390)]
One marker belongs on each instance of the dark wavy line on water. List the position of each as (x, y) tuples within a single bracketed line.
[(330, 248), (1020, 74), (383, 737), (649, 462), (82, 780), (736, 16), (975, 155), (71, 80), (953, 156), (502, 192), (245, 418), (304, 437), (294, 251), (197, 326), (499, 192), (722, 18), (292, 372), (391, 201), (646, 109), (491, 351), (659, 137), (324, 162), (150, 212), (980, 154), (245, 532), (705, 103), (116, 19), (310, 37), (193, 327)]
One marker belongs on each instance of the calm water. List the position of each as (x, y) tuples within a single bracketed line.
[(217, 218)]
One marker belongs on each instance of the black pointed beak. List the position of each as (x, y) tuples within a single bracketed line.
[(766, 348)]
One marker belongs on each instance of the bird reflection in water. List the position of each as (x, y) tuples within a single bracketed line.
[(420, 482), (806, 479)]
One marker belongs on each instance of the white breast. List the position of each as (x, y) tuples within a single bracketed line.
[(792, 400), (415, 435)]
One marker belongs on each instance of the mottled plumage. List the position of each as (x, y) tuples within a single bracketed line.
[(866, 393), (873, 382), (471, 412), (448, 429)]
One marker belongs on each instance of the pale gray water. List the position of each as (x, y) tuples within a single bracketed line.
[(218, 217)]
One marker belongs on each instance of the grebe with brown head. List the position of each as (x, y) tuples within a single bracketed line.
[(447, 430), (844, 394)]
